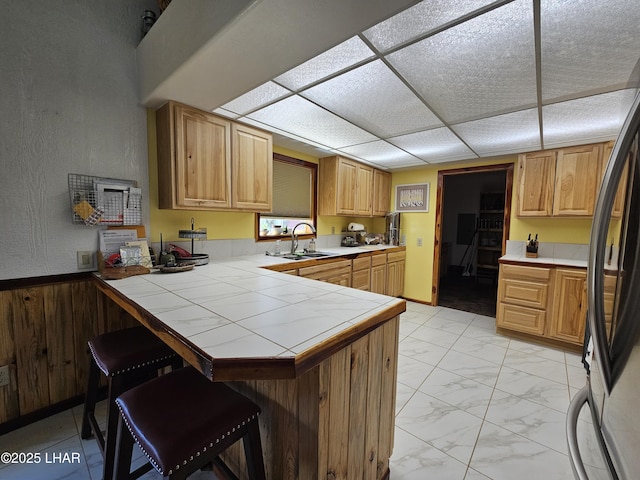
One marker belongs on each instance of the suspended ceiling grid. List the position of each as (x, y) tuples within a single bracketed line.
[(446, 81)]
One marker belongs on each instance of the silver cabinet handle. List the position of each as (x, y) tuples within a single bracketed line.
[(572, 440)]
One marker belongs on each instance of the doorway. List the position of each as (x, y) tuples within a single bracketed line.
[(472, 227)]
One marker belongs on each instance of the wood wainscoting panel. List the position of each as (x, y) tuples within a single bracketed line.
[(335, 421)]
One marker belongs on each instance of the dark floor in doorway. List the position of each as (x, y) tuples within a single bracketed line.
[(469, 295)]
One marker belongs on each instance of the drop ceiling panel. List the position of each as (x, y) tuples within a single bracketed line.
[(434, 146), (424, 17), (306, 120), (586, 120), (256, 98), (510, 133), (374, 98), (382, 154), (482, 67), (332, 61), (588, 46)]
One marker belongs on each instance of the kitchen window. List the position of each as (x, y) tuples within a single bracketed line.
[(294, 199)]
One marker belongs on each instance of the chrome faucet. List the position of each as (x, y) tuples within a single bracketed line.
[(294, 237)]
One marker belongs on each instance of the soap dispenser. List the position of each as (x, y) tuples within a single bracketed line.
[(312, 245)]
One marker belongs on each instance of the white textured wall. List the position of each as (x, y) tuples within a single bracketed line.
[(69, 104)]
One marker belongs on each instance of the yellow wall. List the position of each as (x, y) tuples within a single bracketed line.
[(223, 225), (419, 265)]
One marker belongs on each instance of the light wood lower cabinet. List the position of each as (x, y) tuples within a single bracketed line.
[(569, 306), (395, 273), (547, 302), (379, 273), (337, 272), (361, 273)]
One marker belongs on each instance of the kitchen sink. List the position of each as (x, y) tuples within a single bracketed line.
[(307, 255)]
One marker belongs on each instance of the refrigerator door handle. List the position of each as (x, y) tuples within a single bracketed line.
[(577, 464)]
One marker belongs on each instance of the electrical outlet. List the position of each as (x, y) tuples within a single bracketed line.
[(4, 375), (333, 230), (419, 241), (85, 260)]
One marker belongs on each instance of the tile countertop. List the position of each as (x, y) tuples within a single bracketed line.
[(233, 309), (549, 254)]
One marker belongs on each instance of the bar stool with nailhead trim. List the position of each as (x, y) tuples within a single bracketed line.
[(127, 358), (182, 421)]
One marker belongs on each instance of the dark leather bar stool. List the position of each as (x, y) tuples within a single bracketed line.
[(181, 421), (127, 358)]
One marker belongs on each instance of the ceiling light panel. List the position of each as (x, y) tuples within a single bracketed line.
[(256, 98), (483, 67), (383, 154), (586, 120), (588, 46), (332, 61), (434, 146), (306, 120), (374, 98), (414, 22), (503, 134)]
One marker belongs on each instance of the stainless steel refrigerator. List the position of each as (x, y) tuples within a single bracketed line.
[(610, 400)]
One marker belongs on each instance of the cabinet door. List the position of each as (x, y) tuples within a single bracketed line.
[(569, 306), (381, 192), (364, 190), (577, 180), (346, 190), (379, 278), (202, 159), (535, 192), (252, 168), (395, 273)]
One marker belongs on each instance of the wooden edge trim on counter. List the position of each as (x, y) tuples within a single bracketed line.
[(538, 263), (46, 280), (314, 356), (310, 262)]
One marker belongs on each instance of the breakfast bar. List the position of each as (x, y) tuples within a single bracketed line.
[(320, 359)]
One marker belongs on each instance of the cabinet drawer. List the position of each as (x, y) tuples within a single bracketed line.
[(539, 274), (525, 293), (521, 319), (335, 267), (379, 259), (361, 263), (396, 256)]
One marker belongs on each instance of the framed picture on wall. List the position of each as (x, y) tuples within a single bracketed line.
[(412, 198)]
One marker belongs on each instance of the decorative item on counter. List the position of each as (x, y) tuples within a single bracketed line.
[(532, 247), (201, 233), (148, 19), (164, 256)]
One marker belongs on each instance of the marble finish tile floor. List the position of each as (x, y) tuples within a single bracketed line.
[(471, 405)]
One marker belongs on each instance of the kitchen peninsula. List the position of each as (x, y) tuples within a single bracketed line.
[(320, 359)]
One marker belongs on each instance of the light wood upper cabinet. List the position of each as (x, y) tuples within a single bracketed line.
[(206, 162), (562, 182), (194, 157), (252, 176), (381, 192), (537, 178), (347, 188), (577, 180)]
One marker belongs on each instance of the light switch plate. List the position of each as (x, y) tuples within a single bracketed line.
[(86, 260)]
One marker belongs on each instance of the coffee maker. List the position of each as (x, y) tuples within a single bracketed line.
[(392, 231)]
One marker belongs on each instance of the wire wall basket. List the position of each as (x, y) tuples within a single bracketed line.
[(104, 201)]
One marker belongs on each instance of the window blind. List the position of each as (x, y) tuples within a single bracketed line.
[(291, 191)]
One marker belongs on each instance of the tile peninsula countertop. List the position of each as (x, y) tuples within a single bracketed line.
[(234, 319)]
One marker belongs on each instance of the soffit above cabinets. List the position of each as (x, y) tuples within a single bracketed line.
[(441, 81)]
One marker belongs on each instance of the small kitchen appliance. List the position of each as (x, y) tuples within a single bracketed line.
[(392, 230)]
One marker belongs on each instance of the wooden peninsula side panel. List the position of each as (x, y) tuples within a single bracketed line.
[(335, 421)]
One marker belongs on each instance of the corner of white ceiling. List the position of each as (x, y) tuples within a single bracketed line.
[(206, 53)]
